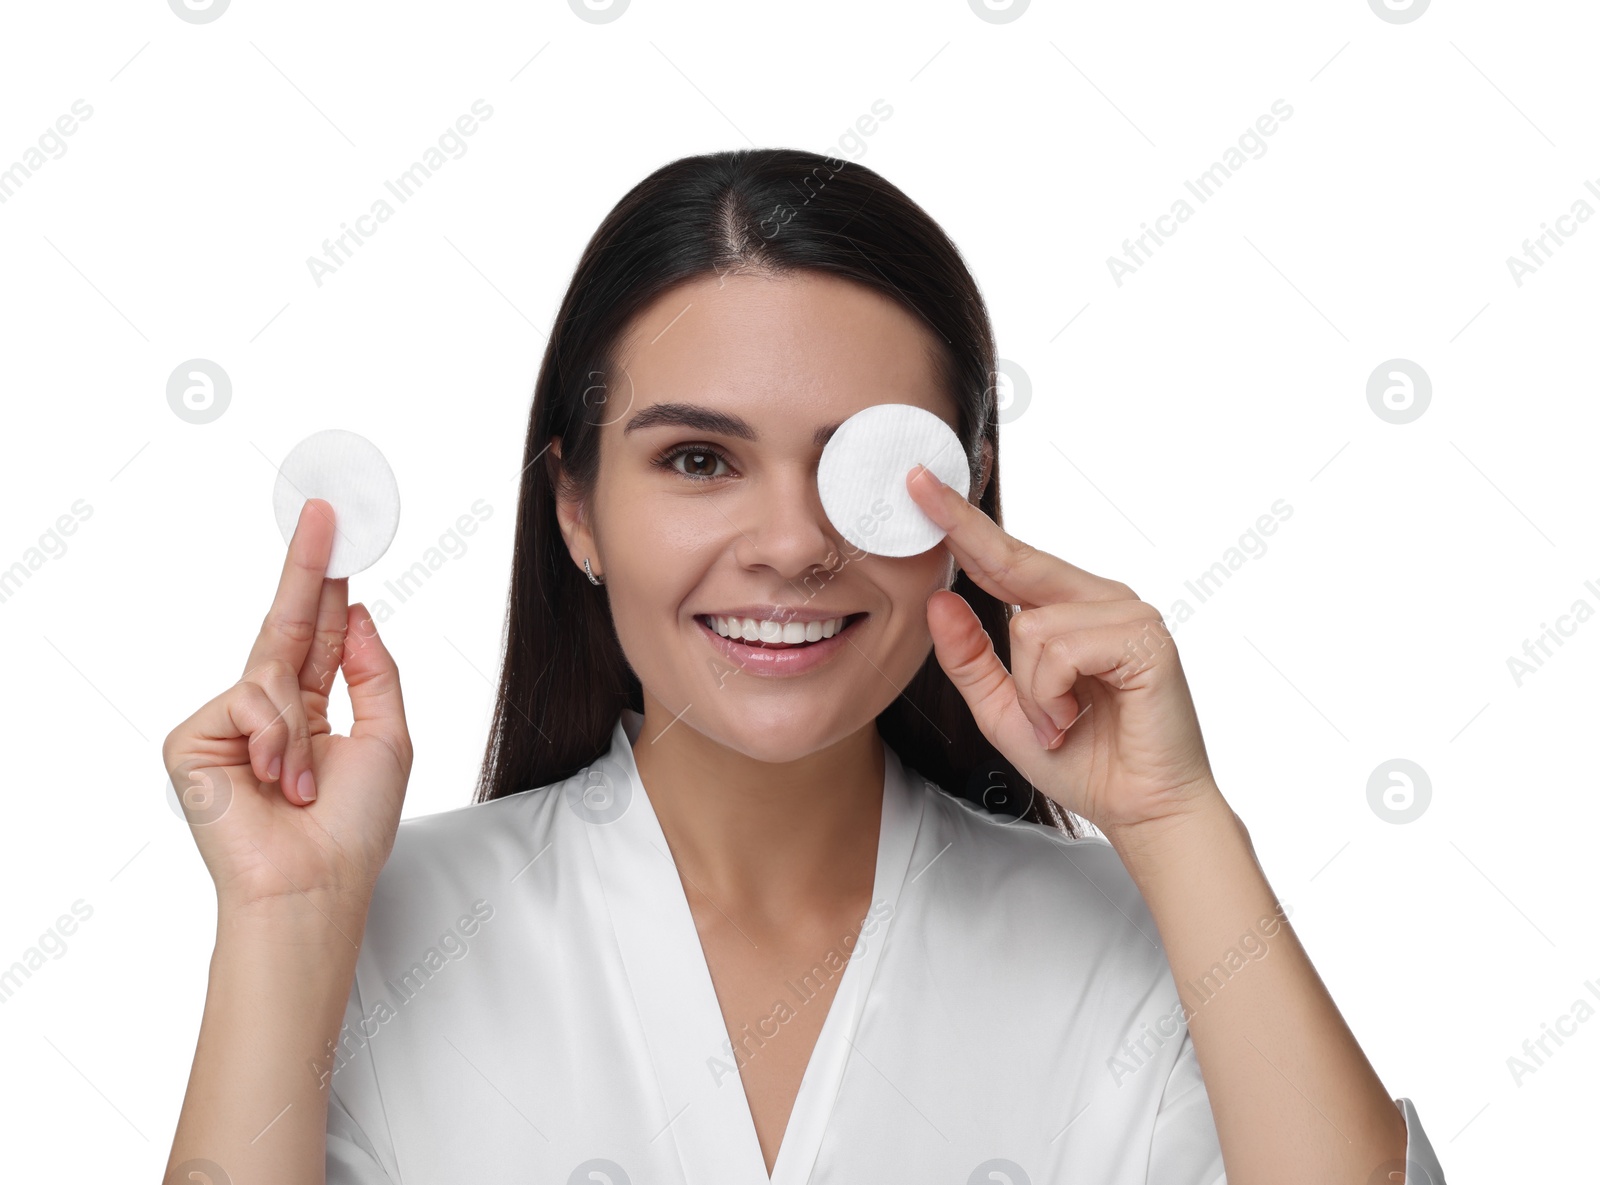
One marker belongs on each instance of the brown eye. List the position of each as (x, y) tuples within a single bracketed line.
[(697, 463), (700, 462)]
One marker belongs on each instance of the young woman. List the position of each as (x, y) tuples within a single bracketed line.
[(775, 871)]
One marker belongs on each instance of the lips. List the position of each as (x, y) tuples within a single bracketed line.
[(776, 658), (849, 620)]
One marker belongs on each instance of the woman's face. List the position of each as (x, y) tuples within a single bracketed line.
[(706, 505)]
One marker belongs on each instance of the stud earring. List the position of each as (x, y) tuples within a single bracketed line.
[(593, 579)]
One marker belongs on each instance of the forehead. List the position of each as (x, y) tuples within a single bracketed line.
[(810, 346)]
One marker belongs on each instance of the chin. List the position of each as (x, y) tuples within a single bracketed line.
[(780, 734)]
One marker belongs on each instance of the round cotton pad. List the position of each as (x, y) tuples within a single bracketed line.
[(862, 477), (350, 473)]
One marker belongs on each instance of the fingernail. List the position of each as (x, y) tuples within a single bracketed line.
[(1046, 737), (307, 786), (274, 768)]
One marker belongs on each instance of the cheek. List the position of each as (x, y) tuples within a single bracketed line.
[(688, 531), (939, 571), (909, 584), (659, 535), (661, 557)]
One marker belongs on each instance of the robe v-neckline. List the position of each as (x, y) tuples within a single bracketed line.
[(707, 1111)]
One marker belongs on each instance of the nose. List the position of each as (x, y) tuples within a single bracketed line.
[(785, 528)]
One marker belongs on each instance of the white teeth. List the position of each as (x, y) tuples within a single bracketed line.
[(748, 629)]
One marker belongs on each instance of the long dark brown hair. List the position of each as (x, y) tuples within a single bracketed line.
[(775, 211)]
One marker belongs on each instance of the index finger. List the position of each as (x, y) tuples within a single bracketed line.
[(1000, 564), (290, 623)]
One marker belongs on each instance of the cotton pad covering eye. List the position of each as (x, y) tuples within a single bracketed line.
[(861, 477), (349, 472)]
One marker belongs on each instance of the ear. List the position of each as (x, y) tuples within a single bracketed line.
[(571, 514)]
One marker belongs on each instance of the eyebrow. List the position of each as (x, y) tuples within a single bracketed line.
[(708, 419)]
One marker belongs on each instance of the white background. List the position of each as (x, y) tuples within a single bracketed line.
[(1167, 413)]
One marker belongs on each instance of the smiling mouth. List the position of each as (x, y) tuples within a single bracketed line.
[(709, 622)]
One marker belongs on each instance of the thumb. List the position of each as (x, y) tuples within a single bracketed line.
[(374, 683), (966, 652)]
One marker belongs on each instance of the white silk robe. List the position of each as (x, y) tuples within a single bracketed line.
[(532, 1004)]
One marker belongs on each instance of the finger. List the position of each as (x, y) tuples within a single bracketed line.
[(1001, 565), (245, 710), (282, 687), (1033, 629), (1025, 651), (326, 649), (966, 652), (1108, 653), (268, 731), (290, 623), (373, 681)]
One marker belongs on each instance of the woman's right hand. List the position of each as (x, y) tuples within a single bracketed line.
[(247, 764)]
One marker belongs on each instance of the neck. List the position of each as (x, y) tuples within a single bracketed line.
[(779, 838)]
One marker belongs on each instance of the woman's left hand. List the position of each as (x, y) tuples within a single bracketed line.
[(1093, 669)]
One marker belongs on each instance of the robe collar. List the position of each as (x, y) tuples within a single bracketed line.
[(705, 1110)]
